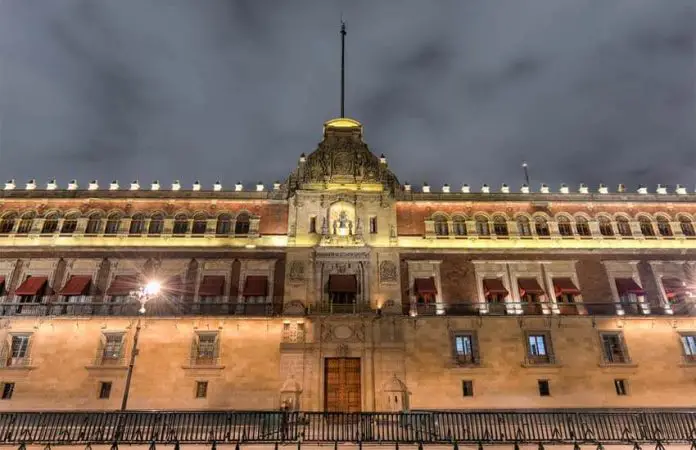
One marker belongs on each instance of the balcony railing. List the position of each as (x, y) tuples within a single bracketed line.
[(567, 427), (158, 307)]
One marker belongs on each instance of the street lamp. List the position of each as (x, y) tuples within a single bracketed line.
[(142, 295)]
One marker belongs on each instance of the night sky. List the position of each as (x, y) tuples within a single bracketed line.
[(455, 91)]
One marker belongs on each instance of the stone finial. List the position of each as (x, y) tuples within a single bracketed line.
[(661, 189), (93, 185), (259, 187), (583, 189), (10, 184), (238, 187), (524, 189), (155, 185), (505, 189), (303, 158), (72, 186), (382, 159), (621, 188), (407, 187), (31, 185), (52, 185), (176, 185), (564, 189), (679, 189), (113, 186), (603, 189), (486, 189), (642, 189), (134, 185), (276, 185), (446, 188), (196, 185), (544, 188), (466, 189), (426, 188), (217, 187)]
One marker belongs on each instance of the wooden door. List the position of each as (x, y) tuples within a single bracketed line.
[(342, 385)]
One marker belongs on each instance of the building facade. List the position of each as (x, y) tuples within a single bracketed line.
[(342, 289)]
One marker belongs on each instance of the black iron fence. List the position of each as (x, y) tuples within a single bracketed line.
[(484, 427)]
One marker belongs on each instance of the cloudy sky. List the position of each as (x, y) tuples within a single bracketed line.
[(455, 91)]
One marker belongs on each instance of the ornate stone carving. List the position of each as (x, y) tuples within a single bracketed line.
[(297, 271), (342, 351), (387, 272)]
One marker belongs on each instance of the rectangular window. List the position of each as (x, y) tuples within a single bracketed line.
[(201, 389), (113, 343), (621, 387), (467, 388), (206, 349), (7, 390), (613, 348), (312, 224), (544, 389), (105, 389), (20, 345), (689, 345), (465, 351), (373, 225), (539, 348)]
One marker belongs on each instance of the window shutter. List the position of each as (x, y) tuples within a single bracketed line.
[(194, 348), (549, 348), (121, 354), (4, 353), (27, 352), (216, 351), (101, 347)]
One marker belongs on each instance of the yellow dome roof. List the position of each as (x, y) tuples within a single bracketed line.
[(343, 122)]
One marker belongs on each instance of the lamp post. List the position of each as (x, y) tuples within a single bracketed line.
[(143, 294)]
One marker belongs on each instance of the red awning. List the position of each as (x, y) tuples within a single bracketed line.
[(76, 285), (256, 286), (177, 285), (529, 286), (31, 286), (565, 286), (211, 285), (2, 284), (674, 287), (494, 286), (343, 283), (425, 286), (123, 285), (628, 286)]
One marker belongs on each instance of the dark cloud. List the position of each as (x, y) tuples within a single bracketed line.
[(452, 91)]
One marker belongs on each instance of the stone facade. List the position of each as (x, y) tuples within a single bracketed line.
[(408, 294)]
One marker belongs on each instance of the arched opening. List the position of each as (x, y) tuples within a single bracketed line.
[(541, 225), (582, 227), (223, 225), (26, 223), (605, 227), (565, 228), (441, 227), (623, 226), (94, 223), (50, 224), (137, 225), (664, 227), (646, 226), (459, 225), (687, 226), (113, 223), (524, 229), (482, 227), (241, 225), (200, 223), (180, 225), (7, 223), (156, 225), (500, 227), (69, 224)]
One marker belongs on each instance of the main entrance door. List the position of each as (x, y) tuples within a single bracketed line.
[(342, 385)]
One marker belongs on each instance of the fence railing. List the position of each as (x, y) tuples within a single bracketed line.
[(485, 427)]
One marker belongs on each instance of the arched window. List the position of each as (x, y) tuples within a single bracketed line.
[(687, 226), (156, 224), (459, 225), (646, 226), (664, 227), (565, 228), (623, 226), (200, 223), (541, 225), (500, 227), (605, 227), (180, 224), (523, 227), (241, 225), (482, 228), (222, 227), (113, 223), (93, 224), (582, 226), (441, 227), (7, 223), (69, 224), (50, 224), (137, 225), (25, 223)]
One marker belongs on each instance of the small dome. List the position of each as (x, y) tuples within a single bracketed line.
[(342, 122)]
